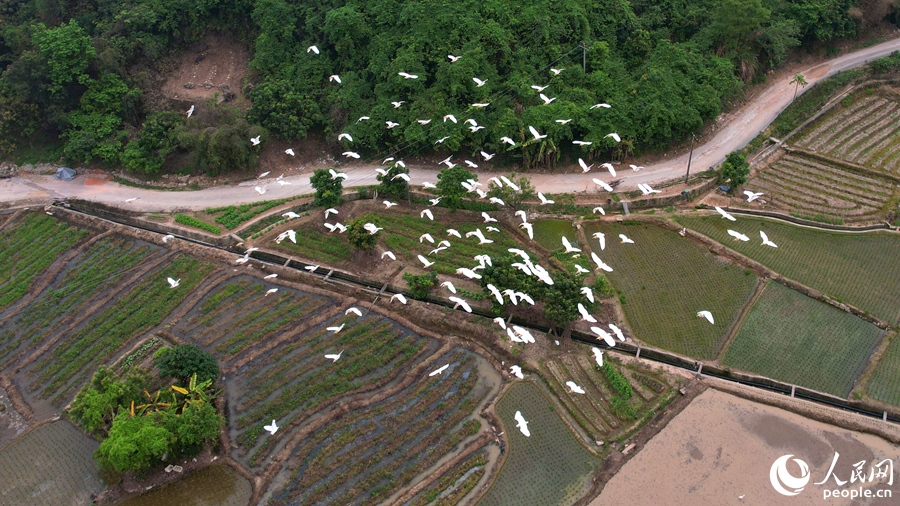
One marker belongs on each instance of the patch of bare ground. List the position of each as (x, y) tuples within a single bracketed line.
[(724, 444), (211, 67)]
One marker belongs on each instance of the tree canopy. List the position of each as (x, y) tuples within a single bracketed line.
[(665, 67)]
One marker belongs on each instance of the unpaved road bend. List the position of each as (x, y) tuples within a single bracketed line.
[(735, 132)]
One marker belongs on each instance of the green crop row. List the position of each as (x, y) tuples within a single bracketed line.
[(143, 307), (103, 265), (666, 280), (143, 349), (792, 338), (885, 383), (616, 379), (28, 249), (859, 269), (233, 216), (194, 222), (562, 472)]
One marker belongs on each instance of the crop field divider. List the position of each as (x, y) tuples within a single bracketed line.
[(655, 355), (808, 223)]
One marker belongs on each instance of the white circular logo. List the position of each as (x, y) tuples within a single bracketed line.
[(783, 481)]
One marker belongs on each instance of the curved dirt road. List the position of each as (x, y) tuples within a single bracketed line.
[(738, 131)]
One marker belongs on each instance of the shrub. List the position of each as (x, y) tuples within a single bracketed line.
[(622, 409), (616, 380), (184, 360), (359, 237), (421, 285), (194, 222), (602, 288), (328, 189)]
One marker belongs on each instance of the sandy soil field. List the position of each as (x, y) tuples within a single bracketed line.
[(721, 448)]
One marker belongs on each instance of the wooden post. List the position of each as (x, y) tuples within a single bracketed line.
[(793, 390), (638, 354)]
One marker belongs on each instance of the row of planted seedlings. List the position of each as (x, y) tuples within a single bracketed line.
[(663, 280), (98, 270), (293, 381), (812, 174), (859, 269), (62, 370), (28, 248), (366, 456), (840, 122), (455, 484), (858, 126)]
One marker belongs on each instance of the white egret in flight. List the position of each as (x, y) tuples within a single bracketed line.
[(536, 134), (439, 370), (389, 254), (625, 239), (574, 388), (738, 236), (586, 291), (314, 49), (766, 241), (602, 184), (545, 200), (610, 168), (522, 424), (400, 297), (271, 429), (725, 214), (478, 82), (752, 196), (598, 355), (603, 105), (173, 282), (546, 99), (461, 303), (585, 167), (707, 315), (517, 371), (334, 358), (353, 310)]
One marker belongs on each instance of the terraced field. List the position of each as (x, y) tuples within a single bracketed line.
[(617, 396), (548, 468), (859, 269), (867, 132), (790, 337), (27, 248), (76, 353), (663, 280), (401, 236), (819, 190), (885, 382), (107, 301), (363, 457)]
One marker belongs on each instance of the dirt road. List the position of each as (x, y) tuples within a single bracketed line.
[(737, 131)]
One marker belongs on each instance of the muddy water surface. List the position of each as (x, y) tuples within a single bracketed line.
[(212, 486)]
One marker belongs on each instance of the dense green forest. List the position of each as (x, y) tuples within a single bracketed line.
[(78, 77)]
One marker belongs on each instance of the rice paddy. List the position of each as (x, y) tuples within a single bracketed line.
[(859, 269), (790, 337), (885, 382), (550, 467), (663, 280)]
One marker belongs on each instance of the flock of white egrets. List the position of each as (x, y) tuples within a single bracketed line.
[(515, 333)]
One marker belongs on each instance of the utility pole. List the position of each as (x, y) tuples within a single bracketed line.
[(690, 155)]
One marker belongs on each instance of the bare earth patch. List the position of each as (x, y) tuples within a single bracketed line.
[(723, 448), (216, 64)]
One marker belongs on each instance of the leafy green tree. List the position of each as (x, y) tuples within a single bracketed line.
[(420, 285), (503, 275), (450, 186), (96, 126), (158, 139), (226, 148), (359, 237), (734, 170), (96, 403), (283, 110), (185, 360), (134, 443), (513, 198), (194, 426), (328, 189), (391, 184), (67, 50), (561, 301)]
